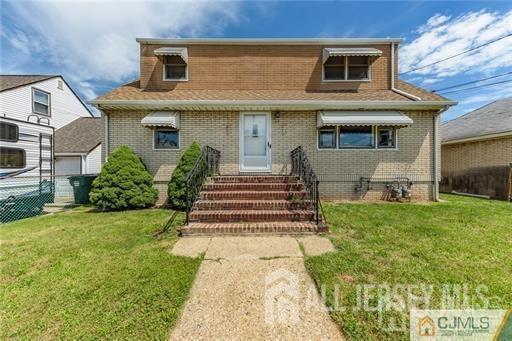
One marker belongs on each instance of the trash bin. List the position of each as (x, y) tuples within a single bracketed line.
[(81, 187)]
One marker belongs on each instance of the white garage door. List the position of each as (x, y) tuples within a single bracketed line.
[(68, 165)]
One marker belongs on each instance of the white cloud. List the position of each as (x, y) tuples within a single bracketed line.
[(95, 40), (444, 36)]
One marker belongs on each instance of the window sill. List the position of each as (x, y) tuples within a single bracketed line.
[(175, 80), (346, 80)]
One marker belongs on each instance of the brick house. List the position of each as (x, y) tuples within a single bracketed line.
[(255, 100), (476, 151)]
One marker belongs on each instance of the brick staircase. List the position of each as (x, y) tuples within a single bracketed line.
[(251, 204)]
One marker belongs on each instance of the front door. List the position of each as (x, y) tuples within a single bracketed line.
[(255, 147)]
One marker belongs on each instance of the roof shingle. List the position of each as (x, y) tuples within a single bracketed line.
[(8, 82), (493, 118), (80, 136)]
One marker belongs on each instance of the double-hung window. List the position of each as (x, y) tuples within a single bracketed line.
[(41, 102)]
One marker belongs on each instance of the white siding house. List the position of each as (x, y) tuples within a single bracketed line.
[(32, 108)]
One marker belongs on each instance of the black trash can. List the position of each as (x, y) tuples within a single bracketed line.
[(81, 187)]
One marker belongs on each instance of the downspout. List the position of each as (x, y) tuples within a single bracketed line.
[(105, 135), (398, 91), (437, 147)]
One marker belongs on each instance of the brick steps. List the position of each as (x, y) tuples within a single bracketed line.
[(303, 227), (255, 179), (251, 186), (251, 205), (251, 195), (250, 216)]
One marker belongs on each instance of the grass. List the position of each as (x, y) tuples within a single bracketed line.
[(462, 241), (80, 274)]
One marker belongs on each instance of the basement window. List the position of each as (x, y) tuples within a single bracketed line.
[(12, 157), (175, 68), (166, 139)]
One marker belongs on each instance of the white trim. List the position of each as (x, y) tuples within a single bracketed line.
[(162, 119), (265, 105), (173, 51), (71, 154), (350, 51), (362, 118), (49, 105), (478, 138), (269, 41), (241, 145), (174, 79)]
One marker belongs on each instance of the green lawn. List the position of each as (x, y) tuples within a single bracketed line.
[(90, 275), (462, 240)]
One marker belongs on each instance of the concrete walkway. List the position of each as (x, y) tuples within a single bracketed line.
[(254, 288)]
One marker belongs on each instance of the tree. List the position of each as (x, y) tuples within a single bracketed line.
[(124, 183), (177, 185)]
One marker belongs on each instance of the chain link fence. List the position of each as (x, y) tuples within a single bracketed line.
[(23, 197)]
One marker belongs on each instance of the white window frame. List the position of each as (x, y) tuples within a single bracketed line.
[(164, 67), (49, 114), (375, 132), (365, 80), (335, 128), (166, 129), (395, 136)]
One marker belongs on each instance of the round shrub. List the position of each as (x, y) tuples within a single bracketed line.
[(124, 183), (177, 185)]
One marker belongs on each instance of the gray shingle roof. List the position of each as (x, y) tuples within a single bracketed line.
[(80, 136), (13, 81), (492, 118)]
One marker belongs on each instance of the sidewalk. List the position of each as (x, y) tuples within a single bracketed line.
[(254, 288)]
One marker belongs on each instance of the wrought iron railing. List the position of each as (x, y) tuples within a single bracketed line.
[(302, 168), (206, 164)]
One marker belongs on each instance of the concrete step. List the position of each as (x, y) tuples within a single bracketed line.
[(285, 227), (252, 186), (251, 205), (255, 178), (251, 216), (252, 195)]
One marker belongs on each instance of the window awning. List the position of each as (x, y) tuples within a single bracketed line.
[(350, 51), (362, 118), (173, 51), (162, 119)]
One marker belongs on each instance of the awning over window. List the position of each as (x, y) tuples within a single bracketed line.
[(363, 118), (162, 119), (173, 51), (350, 51)]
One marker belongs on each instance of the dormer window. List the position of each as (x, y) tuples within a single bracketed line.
[(175, 63), (348, 64), (175, 68)]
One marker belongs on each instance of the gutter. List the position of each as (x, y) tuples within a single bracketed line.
[(398, 91), (268, 41), (478, 138), (270, 104)]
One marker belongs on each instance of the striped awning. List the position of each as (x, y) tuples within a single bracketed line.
[(162, 119), (173, 51), (362, 118), (350, 51)]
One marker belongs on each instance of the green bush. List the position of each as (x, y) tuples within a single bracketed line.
[(124, 183), (177, 185)]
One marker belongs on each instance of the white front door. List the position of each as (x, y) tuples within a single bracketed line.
[(255, 146)]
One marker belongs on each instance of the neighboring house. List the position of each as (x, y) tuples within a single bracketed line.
[(255, 100), (476, 151), (32, 107), (78, 147)]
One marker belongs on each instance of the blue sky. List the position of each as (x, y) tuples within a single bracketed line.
[(92, 43)]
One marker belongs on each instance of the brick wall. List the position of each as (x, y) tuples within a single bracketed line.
[(247, 67), (459, 157), (338, 170)]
